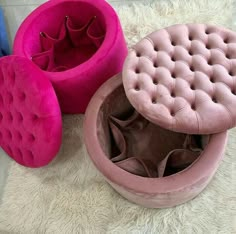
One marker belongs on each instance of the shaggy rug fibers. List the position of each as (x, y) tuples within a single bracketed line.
[(70, 196)]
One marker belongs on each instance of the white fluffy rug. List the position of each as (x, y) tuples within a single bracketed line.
[(70, 196)]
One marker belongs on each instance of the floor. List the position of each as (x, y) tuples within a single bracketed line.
[(15, 11)]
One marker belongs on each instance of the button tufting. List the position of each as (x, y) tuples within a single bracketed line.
[(193, 106), (173, 75), (34, 117), (10, 117), (137, 88), (1, 100), (172, 113), (31, 138), (20, 116), (1, 78), (155, 64), (138, 54), (210, 62), (19, 136), (9, 135), (155, 82), (22, 96), (197, 72), (154, 101), (156, 48), (30, 154), (9, 97), (192, 68), (226, 40), (214, 100), (227, 56), (12, 76), (17, 100)]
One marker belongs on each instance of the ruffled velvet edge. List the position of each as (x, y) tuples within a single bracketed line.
[(69, 35)]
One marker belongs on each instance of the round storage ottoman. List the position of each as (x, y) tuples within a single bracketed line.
[(157, 132), (78, 44)]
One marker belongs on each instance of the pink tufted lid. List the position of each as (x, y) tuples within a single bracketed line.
[(183, 78), (30, 117)]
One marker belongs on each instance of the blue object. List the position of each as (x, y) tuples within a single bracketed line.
[(4, 43)]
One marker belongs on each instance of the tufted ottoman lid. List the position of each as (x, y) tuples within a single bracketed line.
[(30, 118), (183, 78)]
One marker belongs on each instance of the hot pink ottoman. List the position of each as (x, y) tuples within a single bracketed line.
[(78, 44), (30, 116), (158, 137)]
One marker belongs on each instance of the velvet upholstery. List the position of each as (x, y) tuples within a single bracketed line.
[(145, 163), (183, 78), (78, 44), (30, 117), (168, 152)]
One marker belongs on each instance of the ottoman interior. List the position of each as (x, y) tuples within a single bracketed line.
[(65, 35), (140, 147)]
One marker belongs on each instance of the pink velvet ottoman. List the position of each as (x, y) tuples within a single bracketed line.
[(30, 116), (158, 130), (78, 44)]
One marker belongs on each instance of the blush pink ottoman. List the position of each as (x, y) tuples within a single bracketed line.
[(158, 137), (78, 44)]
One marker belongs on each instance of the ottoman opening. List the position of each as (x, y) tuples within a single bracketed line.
[(73, 42), (164, 169), (140, 147), (70, 33)]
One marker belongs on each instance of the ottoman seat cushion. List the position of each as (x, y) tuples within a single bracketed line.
[(183, 78), (30, 117)]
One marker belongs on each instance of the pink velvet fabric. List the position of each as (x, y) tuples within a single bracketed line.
[(147, 164), (183, 78), (78, 44), (168, 152), (30, 117)]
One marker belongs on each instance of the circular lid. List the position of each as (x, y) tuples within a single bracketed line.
[(183, 78), (30, 117)]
